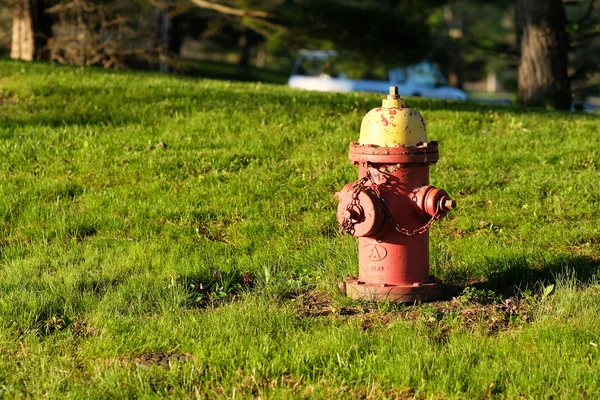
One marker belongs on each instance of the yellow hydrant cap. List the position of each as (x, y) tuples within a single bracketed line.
[(393, 124)]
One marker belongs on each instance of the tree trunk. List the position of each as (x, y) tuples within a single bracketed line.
[(245, 45), (176, 36), (22, 46), (164, 28), (543, 41), (32, 28), (457, 66), (261, 56)]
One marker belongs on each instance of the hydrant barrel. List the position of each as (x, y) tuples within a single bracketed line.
[(391, 206)]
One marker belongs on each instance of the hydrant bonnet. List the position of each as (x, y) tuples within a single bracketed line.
[(393, 124)]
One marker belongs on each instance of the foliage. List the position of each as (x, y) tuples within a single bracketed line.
[(466, 38), (121, 190), (470, 294), (95, 32), (388, 31), (473, 38), (584, 32)]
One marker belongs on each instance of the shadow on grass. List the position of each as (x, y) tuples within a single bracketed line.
[(214, 70), (521, 275), (97, 103)]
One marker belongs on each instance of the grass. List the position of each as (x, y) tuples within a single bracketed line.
[(229, 71), (110, 243)]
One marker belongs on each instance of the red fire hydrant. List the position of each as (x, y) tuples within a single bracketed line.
[(391, 206)]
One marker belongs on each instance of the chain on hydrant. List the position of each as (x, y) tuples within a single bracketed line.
[(391, 206)]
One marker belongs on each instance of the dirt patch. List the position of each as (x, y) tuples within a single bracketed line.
[(473, 309), (215, 231), (160, 358), (314, 303), (492, 317), (163, 359), (587, 248), (80, 233), (57, 323)]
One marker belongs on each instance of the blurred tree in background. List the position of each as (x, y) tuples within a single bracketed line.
[(471, 41), (97, 33), (543, 43), (583, 28), (369, 32), (31, 30)]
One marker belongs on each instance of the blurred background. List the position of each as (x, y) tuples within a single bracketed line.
[(536, 52)]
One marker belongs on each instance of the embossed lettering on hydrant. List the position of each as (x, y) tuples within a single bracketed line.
[(375, 252)]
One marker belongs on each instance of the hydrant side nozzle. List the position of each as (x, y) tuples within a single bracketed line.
[(432, 200), (360, 213)]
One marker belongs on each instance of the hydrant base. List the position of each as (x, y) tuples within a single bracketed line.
[(395, 293)]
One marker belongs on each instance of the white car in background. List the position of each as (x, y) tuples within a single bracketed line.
[(314, 70)]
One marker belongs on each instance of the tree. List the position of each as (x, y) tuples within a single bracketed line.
[(543, 62), (165, 33), (473, 39), (102, 32), (32, 28), (379, 31), (584, 42)]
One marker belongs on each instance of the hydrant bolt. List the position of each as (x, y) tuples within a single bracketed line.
[(391, 207), (450, 204)]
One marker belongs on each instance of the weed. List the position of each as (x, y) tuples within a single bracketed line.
[(214, 289), (481, 296)]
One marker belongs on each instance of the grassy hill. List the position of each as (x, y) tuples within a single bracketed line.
[(177, 237)]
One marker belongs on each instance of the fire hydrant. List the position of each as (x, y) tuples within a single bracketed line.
[(391, 206)]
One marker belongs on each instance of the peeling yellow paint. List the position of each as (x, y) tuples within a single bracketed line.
[(393, 124)]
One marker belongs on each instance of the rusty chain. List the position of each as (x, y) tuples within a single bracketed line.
[(348, 224)]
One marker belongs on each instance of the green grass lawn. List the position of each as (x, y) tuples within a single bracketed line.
[(142, 213), (228, 71)]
